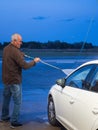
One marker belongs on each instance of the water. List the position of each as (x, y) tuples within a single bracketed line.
[(38, 80)]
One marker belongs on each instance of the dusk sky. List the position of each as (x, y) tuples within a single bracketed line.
[(49, 20)]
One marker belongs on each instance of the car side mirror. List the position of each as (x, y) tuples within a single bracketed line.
[(61, 82)]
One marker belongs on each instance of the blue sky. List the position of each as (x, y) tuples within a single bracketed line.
[(42, 20)]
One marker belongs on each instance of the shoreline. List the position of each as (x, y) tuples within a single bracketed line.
[(58, 52)]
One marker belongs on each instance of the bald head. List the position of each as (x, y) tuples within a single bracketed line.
[(16, 40)]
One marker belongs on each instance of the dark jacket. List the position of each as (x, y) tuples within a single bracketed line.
[(12, 64)]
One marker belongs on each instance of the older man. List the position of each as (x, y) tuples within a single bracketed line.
[(12, 64)]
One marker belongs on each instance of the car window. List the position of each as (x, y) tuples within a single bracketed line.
[(94, 83), (78, 78)]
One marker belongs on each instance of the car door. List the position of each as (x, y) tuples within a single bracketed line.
[(68, 96), (85, 110), (63, 106), (85, 107)]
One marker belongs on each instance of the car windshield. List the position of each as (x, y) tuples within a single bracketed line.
[(78, 77)]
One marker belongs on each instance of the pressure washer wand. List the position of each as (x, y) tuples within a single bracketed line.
[(50, 65), (44, 62), (29, 57)]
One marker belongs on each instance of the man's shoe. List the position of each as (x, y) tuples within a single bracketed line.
[(5, 120), (15, 124)]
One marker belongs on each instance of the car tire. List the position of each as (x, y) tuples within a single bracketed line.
[(51, 113)]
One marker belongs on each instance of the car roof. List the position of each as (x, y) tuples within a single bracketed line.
[(86, 63), (89, 62)]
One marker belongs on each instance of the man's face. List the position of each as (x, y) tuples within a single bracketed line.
[(18, 42)]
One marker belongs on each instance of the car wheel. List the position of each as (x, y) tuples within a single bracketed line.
[(51, 112)]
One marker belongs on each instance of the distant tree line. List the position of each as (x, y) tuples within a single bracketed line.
[(52, 45)]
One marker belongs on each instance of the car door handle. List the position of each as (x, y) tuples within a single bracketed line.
[(71, 101), (95, 111)]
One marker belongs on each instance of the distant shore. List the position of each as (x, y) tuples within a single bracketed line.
[(58, 52), (61, 52)]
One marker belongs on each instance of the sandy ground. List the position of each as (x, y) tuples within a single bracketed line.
[(30, 126)]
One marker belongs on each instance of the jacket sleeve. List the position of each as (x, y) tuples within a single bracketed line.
[(19, 58)]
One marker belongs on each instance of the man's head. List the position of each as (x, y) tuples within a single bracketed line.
[(16, 40)]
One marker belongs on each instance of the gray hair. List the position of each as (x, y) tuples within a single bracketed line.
[(15, 37)]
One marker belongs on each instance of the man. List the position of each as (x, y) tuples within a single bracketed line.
[(12, 64)]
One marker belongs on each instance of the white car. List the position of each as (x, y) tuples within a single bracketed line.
[(73, 101)]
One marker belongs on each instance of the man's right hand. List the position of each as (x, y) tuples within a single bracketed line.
[(37, 59)]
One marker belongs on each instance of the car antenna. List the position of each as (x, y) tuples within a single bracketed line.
[(85, 39)]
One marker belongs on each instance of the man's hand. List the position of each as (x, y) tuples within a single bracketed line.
[(37, 59)]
